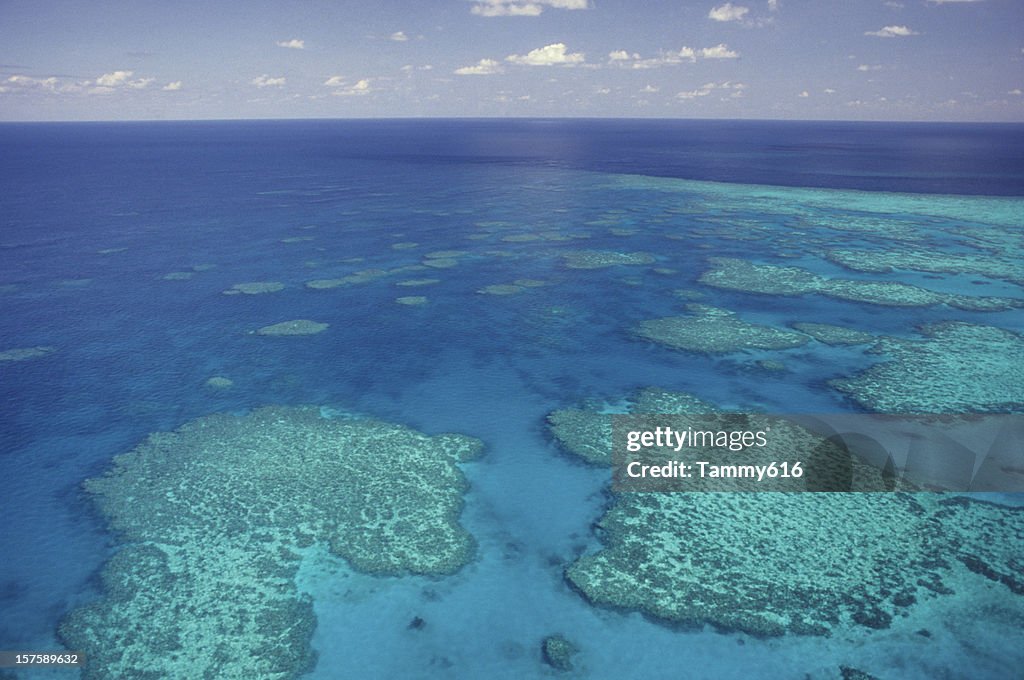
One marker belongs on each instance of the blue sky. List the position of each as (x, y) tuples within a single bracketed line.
[(959, 60)]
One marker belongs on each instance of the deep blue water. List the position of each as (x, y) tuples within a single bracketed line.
[(93, 217)]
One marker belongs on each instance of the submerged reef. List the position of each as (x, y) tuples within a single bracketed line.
[(413, 283), (587, 433), (772, 563), (502, 289), (712, 330), (220, 382), (597, 259), (885, 261), (959, 367), (768, 279), (834, 335), (255, 288), (213, 517), (25, 353), (768, 564), (296, 327), (558, 651)]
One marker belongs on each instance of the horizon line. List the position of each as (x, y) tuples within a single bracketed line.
[(507, 118)]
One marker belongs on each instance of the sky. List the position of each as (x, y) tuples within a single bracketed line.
[(929, 60)]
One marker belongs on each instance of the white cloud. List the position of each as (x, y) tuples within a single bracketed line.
[(109, 81), (293, 44), (773, 5), (342, 89), (720, 51), (804, 95), (728, 12), (943, 2), (497, 9), (522, 8), (735, 90), (360, 88), (1016, 92), (114, 79), (399, 36), (622, 55), (869, 67), (27, 82), (891, 32), (622, 58), (690, 94), (266, 81), (172, 87), (484, 67), (829, 90), (604, 90), (547, 56), (650, 89), (687, 53)]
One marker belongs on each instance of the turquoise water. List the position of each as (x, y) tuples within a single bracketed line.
[(85, 255)]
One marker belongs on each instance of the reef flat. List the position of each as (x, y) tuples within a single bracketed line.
[(712, 330), (957, 367), (774, 563), (213, 515), (768, 279)]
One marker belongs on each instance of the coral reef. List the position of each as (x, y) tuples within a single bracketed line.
[(774, 563), (501, 289), (768, 279), (958, 368), (25, 353), (713, 330), (597, 259), (557, 652), (214, 517), (255, 288), (296, 327), (916, 259)]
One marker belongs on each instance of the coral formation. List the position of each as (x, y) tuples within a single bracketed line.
[(768, 564), (557, 652), (734, 274), (596, 259), (588, 433), (24, 353), (296, 327), (255, 288), (958, 368), (214, 517), (775, 563), (501, 289), (916, 259), (713, 330), (441, 262)]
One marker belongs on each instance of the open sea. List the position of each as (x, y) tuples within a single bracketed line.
[(475, 276)]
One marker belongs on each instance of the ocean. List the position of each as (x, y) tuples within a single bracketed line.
[(474, 277)]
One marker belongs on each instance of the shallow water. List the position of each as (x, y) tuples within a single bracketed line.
[(96, 216)]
